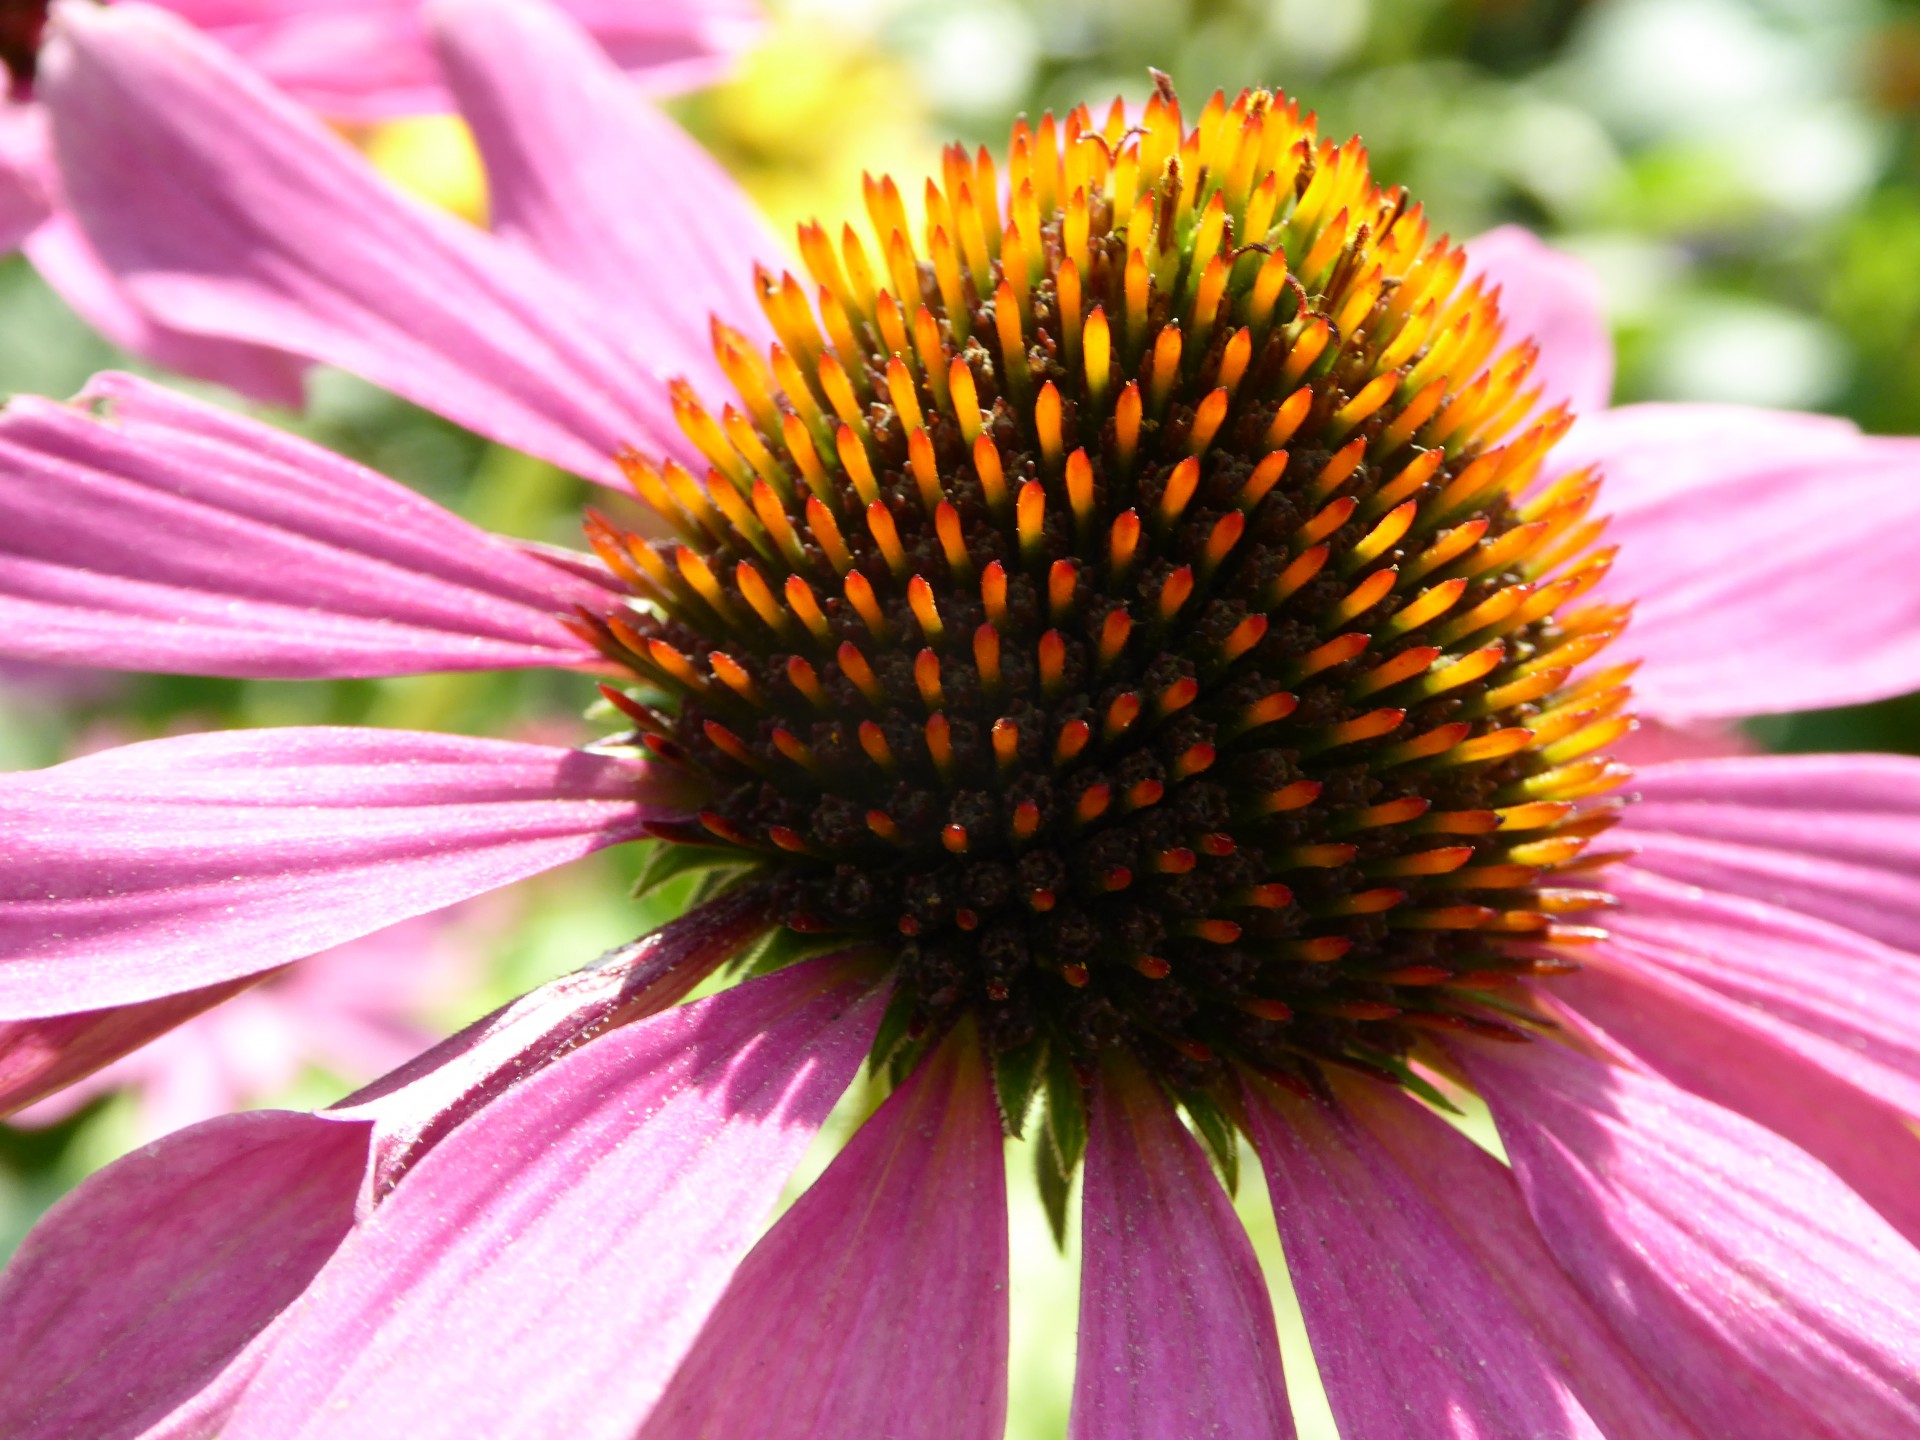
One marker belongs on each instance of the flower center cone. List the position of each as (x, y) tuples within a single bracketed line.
[(1142, 606)]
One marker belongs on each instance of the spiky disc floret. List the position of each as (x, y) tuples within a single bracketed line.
[(1142, 607)]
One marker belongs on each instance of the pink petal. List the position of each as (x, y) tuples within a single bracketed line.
[(877, 1305), (1655, 742), (1832, 836), (66, 260), (671, 45), (40, 1057), (230, 1058), (1766, 1298), (1797, 1085), (589, 177), (349, 59), (1553, 299), (1654, 453), (201, 1415), (369, 59), (542, 1272), (26, 180), (218, 1229), (1733, 526), (170, 535), (420, 1104), (1476, 1196), (1859, 996), (342, 1009), (227, 210), (176, 864), (1176, 1327), (394, 1124), (1413, 1337)]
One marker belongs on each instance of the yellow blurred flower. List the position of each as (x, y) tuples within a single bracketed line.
[(433, 157), (809, 110)]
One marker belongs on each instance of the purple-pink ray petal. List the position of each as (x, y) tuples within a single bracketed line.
[(211, 1231), (68, 263), (26, 180), (1413, 1337), (1477, 1198), (1768, 555), (1655, 452), (1858, 995), (141, 530), (1767, 1299), (1796, 1084), (1176, 1328), (370, 59), (542, 1271), (225, 209), (592, 179), (392, 1124), (671, 45), (1551, 298), (201, 1415), (877, 1305), (349, 59), (1832, 836), (175, 864), (1656, 742), (40, 1057), (421, 1103)]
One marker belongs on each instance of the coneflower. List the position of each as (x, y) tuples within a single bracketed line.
[(1138, 627), (1142, 629)]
